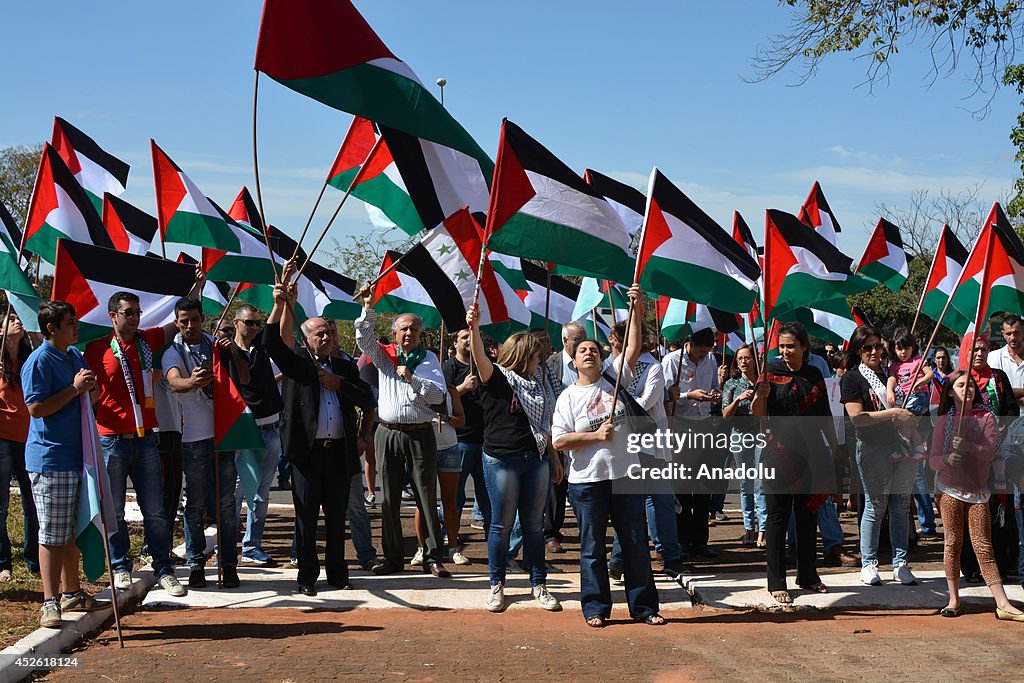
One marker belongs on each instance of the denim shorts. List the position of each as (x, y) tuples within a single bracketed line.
[(450, 460)]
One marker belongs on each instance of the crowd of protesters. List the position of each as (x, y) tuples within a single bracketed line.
[(531, 428)]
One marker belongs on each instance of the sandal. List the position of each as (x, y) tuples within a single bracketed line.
[(816, 587), (6, 576), (596, 622), (782, 597), (949, 612), (655, 620)]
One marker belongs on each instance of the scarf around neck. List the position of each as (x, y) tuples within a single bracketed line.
[(877, 386), (146, 362), (410, 360)]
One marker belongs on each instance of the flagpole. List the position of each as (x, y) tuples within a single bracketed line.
[(593, 317), (355, 180), (547, 304), (928, 278), (106, 539), (256, 175), (224, 312), (216, 493)]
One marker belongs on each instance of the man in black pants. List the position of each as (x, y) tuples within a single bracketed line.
[(321, 435)]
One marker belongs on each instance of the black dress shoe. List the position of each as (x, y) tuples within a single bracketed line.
[(307, 590), (197, 577), (437, 569), (345, 585), (705, 551), (369, 566), (229, 578), (386, 568)]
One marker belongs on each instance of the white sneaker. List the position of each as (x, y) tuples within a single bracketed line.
[(417, 559), (869, 576), (458, 557), (496, 600), (122, 580), (546, 600), (903, 574), (171, 584)]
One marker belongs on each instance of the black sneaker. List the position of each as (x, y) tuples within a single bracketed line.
[(615, 572), (229, 578), (197, 577)]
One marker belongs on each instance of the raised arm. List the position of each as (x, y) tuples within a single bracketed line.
[(484, 366), (635, 342)]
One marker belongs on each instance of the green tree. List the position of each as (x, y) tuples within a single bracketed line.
[(17, 174)]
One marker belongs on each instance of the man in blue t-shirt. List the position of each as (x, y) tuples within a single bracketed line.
[(53, 379)]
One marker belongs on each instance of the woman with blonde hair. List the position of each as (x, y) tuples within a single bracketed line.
[(517, 403)]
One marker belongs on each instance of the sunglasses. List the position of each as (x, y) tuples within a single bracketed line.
[(131, 313), (868, 348), (251, 323)]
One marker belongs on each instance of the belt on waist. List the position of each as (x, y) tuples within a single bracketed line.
[(269, 427), (130, 435), (405, 427), (327, 443)]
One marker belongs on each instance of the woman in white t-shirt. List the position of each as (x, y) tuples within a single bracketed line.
[(583, 426)]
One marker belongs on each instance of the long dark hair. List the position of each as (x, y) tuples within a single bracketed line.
[(734, 368), (24, 350), (860, 335), (946, 401)]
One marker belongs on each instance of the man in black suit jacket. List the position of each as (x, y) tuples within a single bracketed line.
[(320, 434)]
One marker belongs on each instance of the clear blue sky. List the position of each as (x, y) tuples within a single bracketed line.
[(615, 86)]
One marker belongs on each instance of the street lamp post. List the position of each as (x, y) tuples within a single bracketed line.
[(441, 83)]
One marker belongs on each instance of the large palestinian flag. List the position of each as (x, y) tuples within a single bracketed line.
[(627, 201), (325, 50), (249, 263), (947, 264), (885, 260), (95, 504), (86, 276), (184, 213), (234, 427), (60, 209), (541, 209), (131, 229), (684, 254), (816, 213), (98, 172), (801, 267)]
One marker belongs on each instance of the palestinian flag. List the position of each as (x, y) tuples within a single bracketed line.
[(993, 278), (802, 267), (627, 201), (884, 260), (234, 427), (86, 276), (95, 504), (400, 292), (11, 234), (13, 280), (685, 255), (185, 215), (816, 213), (131, 230), (947, 264), (333, 292), (245, 211), (541, 209), (380, 184), (742, 235), (249, 263), (860, 317), (325, 50), (98, 172), (60, 209), (831, 320), (679, 319), (559, 303), (215, 294), (600, 294)]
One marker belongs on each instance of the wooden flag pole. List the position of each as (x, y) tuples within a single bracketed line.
[(593, 317), (547, 304), (355, 181), (224, 312), (216, 504), (256, 176), (622, 359), (106, 545)]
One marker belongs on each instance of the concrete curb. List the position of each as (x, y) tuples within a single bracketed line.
[(77, 625)]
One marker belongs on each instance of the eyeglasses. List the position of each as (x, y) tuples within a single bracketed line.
[(131, 313), (250, 323)]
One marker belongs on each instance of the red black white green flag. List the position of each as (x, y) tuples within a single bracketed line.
[(60, 209), (947, 265), (816, 213), (627, 201), (685, 254), (541, 209), (234, 427), (97, 171), (131, 229), (885, 260)]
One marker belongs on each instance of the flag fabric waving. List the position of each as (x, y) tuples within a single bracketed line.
[(97, 171), (326, 50), (947, 265), (816, 213), (184, 213), (541, 209), (627, 201), (11, 234), (559, 303), (400, 292), (86, 276), (801, 267), (215, 295), (60, 209), (249, 263), (685, 255), (131, 230), (95, 506), (234, 427), (680, 318), (885, 260), (13, 280), (830, 320)]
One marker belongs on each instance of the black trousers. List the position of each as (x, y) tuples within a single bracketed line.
[(554, 508), (321, 482), (693, 520), (169, 446), (779, 507), (414, 452)]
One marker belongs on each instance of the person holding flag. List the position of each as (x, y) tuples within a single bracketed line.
[(53, 378), (126, 420)]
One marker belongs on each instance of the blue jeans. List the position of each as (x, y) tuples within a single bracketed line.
[(358, 522), (661, 520), (828, 522), (12, 459), (138, 458), (473, 466), (594, 505), (262, 464), (752, 501), (197, 460), (923, 500), (516, 483), (886, 486)]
